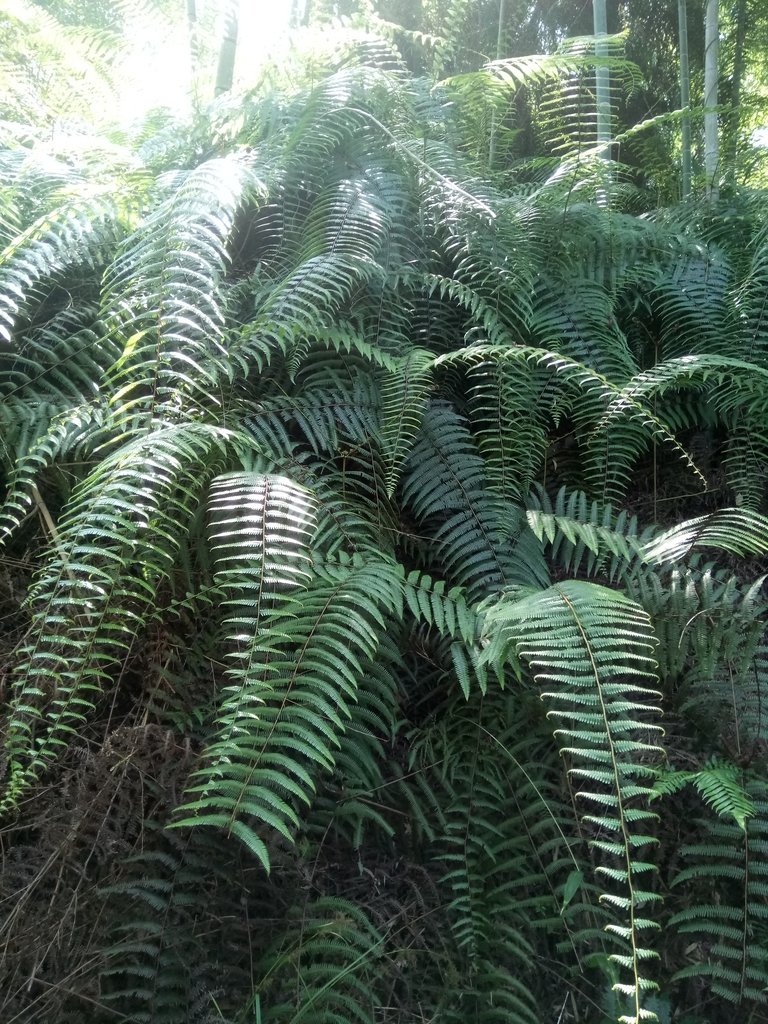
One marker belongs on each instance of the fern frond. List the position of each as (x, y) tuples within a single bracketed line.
[(333, 947), (507, 405), (172, 334), (301, 662), (738, 531), (719, 784), (82, 231), (404, 399), (449, 613), (596, 646), (475, 536), (66, 431), (590, 389), (60, 362), (116, 543), (354, 803), (728, 873), (586, 536)]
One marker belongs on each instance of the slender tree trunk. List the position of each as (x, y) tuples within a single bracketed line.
[(602, 98), (602, 81), (685, 97), (298, 8), (711, 141), (193, 47), (738, 74), (499, 46), (226, 69)]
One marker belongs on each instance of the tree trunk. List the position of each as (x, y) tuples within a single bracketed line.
[(193, 48), (226, 69), (685, 97), (499, 45), (602, 98), (711, 141), (602, 81), (738, 73), (298, 9)]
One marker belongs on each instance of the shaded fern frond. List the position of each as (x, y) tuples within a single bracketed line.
[(507, 403), (475, 536), (728, 872), (404, 400), (449, 613), (590, 390), (331, 949)]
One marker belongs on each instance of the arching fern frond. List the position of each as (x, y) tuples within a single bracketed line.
[(404, 399), (323, 968), (297, 659), (73, 429), (595, 647), (726, 872), (162, 293), (82, 231), (719, 784), (60, 362), (508, 406), (738, 531), (475, 535), (593, 392), (116, 544), (448, 611), (585, 536)]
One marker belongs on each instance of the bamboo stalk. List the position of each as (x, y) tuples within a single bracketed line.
[(685, 97), (711, 138)]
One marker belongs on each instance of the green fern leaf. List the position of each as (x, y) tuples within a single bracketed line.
[(595, 647)]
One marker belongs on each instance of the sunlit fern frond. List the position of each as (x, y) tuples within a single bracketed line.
[(80, 232), (162, 292), (738, 531), (113, 548), (299, 645), (595, 646)]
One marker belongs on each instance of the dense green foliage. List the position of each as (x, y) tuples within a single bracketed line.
[(381, 569)]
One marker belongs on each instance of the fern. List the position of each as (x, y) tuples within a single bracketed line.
[(404, 401), (734, 530), (80, 232), (570, 637), (719, 786), (129, 512), (172, 337), (331, 949), (293, 677), (333, 467), (585, 536), (731, 917)]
